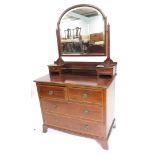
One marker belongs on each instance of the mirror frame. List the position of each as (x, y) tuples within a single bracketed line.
[(59, 36)]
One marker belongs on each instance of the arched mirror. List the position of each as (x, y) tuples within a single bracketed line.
[(81, 31)]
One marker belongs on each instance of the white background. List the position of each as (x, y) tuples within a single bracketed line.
[(28, 44)]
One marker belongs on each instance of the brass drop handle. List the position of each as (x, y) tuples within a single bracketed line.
[(85, 95), (85, 111), (55, 105), (50, 92), (86, 126)]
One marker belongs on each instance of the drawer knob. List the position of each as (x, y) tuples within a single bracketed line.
[(85, 95), (86, 126), (51, 92), (85, 111)]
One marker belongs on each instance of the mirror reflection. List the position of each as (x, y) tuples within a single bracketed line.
[(82, 32)]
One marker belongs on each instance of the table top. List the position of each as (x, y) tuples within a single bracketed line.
[(80, 80)]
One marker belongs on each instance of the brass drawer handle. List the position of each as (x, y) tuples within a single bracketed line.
[(85, 95), (86, 126), (55, 106), (86, 111), (56, 120), (50, 92)]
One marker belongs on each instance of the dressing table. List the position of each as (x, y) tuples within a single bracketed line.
[(78, 97)]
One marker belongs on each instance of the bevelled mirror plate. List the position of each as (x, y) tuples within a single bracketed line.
[(82, 32)]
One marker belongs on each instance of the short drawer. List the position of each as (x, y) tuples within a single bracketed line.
[(52, 92), (93, 96), (90, 112), (76, 125), (105, 71)]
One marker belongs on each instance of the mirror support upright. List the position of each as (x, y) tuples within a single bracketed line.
[(108, 61), (59, 61)]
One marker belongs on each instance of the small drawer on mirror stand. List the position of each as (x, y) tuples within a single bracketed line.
[(106, 70), (55, 69)]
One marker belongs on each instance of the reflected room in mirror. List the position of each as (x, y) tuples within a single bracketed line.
[(82, 32)]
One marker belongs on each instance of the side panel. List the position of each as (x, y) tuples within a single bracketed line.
[(110, 96)]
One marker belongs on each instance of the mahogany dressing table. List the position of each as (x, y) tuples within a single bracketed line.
[(78, 97)]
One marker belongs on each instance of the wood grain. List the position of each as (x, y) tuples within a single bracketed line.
[(85, 95), (74, 109), (82, 126)]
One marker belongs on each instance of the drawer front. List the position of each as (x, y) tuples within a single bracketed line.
[(85, 95), (106, 71), (80, 126), (90, 112), (52, 92)]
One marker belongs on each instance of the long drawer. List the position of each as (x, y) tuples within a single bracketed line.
[(77, 125), (52, 92), (93, 96), (91, 112)]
